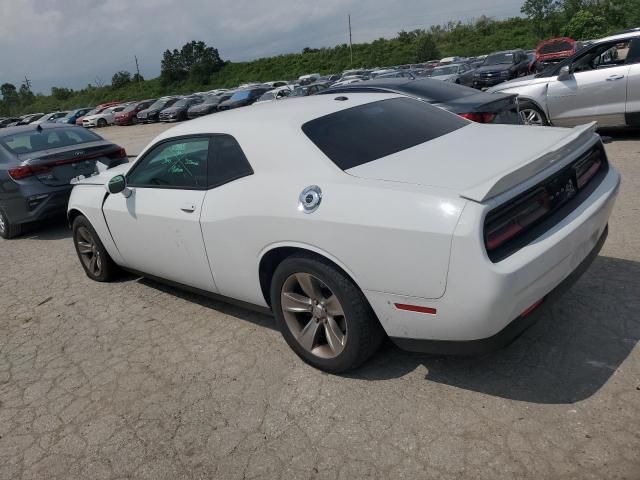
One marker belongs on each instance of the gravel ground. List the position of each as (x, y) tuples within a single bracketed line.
[(137, 380)]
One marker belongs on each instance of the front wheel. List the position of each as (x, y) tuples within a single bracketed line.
[(94, 258), (102, 123), (323, 315), (530, 114)]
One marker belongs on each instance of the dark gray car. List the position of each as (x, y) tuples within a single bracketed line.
[(37, 165)]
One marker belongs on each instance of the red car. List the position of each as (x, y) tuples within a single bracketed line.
[(129, 116), (98, 109), (553, 51)]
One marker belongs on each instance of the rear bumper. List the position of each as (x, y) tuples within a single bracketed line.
[(509, 333), (482, 298), (28, 208)]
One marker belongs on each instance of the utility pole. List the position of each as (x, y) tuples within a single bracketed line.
[(137, 68), (27, 82), (350, 41)]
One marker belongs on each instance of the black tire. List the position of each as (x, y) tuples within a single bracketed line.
[(364, 332), (102, 123), (7, 229), (532, 107), (134, 120), (108, 269)]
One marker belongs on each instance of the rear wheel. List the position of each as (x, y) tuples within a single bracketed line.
[(94, 258), (8, 229), (530, 114), (323, 315), (102, 122)]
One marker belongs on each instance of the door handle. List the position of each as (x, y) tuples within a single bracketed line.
[(615, 77), (188, 207)]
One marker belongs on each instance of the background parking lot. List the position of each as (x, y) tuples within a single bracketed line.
[(137, 380)]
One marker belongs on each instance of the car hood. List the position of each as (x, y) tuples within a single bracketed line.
[(202, 107), (468, 162), (104, 177), (500, 67), (519, 82), (173, 109)]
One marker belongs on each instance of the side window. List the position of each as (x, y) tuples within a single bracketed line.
[(605, 55), (176, 164), (227, 161)]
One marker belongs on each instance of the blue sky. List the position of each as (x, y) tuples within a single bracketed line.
[(71, 42)]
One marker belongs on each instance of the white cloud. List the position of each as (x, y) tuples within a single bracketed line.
[(70, 42)]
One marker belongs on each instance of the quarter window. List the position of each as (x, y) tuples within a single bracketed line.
[(228, 162), (176, 164)]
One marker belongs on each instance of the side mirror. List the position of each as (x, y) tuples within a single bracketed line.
[(117, 184), (564, 73)]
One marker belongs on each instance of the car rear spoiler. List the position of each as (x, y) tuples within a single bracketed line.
[(519, 173)]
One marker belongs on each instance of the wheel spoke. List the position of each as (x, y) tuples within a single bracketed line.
[(307, 336), (335, 337), (85, 247), (92, 264), (333, 306), (309, 285), (296, 303)]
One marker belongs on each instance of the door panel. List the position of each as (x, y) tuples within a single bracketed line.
[(598, 95), (157, 231), (633, 95)]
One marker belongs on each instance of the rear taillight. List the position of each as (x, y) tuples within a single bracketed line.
[(479, 117), (585, 170), (502, 227), (26, 171), (122, 153)]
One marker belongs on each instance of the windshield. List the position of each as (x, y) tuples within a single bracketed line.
[(130, 108), (437, 72), (211, 100), (183, 102), (499, 59), (243, 95), (299, 92), (159, 104), (34, 141), (267, 96)]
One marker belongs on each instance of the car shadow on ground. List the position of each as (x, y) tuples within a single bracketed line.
[(620, 134), (255, 317), (54, 229), (567, 356)]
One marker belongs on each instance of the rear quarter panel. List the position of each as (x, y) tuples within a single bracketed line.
[(388, 237)]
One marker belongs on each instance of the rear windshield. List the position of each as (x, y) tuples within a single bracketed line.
[(34, 141), (359, 135), (435, 91)]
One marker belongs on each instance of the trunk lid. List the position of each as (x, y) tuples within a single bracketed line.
[(59, 166), (479, 161)]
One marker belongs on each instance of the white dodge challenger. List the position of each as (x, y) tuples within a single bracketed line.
[(355, 217)]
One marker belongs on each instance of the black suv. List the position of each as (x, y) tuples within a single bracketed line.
[(499, 67)]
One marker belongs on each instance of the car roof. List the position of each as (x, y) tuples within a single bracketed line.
[(632, 33), (290, 114)]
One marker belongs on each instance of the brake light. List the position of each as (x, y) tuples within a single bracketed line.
[(479, 117), (26, 171), (587, 174), (122, 153), (504, 226)]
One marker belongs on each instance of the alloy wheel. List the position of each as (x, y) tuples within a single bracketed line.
[(89, 252), (530, 116), (314, 315)]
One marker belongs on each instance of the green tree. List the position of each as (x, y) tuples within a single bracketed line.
[(585, 25), (540, 13), (426, 48), (26, 95), (137, 78), (10, 97), (61, 93), (120, 79)]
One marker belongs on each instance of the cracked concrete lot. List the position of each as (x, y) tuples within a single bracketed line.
[(137, 380)]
